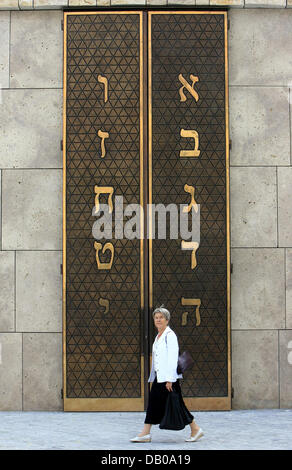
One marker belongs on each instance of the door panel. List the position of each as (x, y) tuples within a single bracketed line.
[(103, 158), (188, 155)]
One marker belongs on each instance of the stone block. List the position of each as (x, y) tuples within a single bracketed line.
[(50, 4), (289, 288), (38, 291), (42, 371), (23, 4), (128, 2), (31, 129), (232, 3), (32, 209), (85, 3), (255, 369), (285, 206), (265, 3), (156, 2), (258, 288), (36, 49), (4, 52), (9, 5), (260, 44), (259, 126), (7, 292), (181, 2), (10, 372), (285, 368), (253, 202)]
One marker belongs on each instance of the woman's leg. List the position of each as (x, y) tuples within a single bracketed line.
[(193, 425), (194, 428), (145, 430)]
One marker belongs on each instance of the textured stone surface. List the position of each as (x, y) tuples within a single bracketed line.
[(84, 3), (38, 308), (36, 49), (289, 288), (255, 369), (0, 209), (265, 3), (7, 291), (285, 368), (253, 197), (259, 126), (156, 2), (25, 4), (285, 206), (50, 3), (32, 210), (258, 288), (128, 2), (234, 3), (4, 51), (10, 371), (31, 129), (244, 429), (9, 4), (181, 2), (260, 43), (42, 371)]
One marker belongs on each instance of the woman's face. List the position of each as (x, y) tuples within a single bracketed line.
[(160, 321)]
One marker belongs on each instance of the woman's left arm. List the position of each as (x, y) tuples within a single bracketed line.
[(172, 357)]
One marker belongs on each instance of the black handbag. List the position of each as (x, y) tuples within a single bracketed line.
[(185, 361), (175, 416)]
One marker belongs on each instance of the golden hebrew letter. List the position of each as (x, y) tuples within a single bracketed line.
[(107, 246), (101, 190), (184, 319), (191, 190), (188, 87), (102, 135), (104, 80), (194, 135), (196, 302), (191, 246), (104, 303)]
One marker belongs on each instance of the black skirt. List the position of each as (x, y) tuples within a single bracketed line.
[(157, 402)]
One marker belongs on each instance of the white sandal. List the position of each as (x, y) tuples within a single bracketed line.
[(196, 437), (146, 438)]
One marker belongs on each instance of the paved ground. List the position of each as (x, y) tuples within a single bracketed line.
[(238, 429)]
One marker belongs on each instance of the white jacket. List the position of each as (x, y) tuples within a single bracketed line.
[(167, 356)]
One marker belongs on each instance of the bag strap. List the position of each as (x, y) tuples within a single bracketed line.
[(166, 342)]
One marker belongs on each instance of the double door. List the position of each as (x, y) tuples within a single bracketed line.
[(145, 131)]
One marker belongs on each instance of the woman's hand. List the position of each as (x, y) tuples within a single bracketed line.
[(169, 386)]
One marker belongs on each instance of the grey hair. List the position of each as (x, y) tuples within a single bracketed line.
[(162, 310)]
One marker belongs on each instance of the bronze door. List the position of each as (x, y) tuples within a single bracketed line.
[(145, 118)]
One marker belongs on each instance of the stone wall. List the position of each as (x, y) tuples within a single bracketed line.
[(60, 4), (260, 82)]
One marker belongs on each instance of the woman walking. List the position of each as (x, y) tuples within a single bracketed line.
[(165, 379)]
